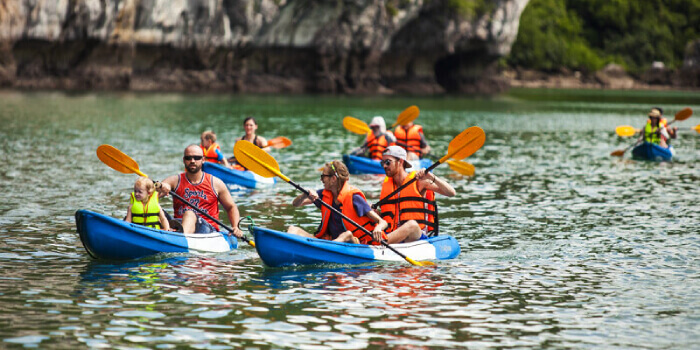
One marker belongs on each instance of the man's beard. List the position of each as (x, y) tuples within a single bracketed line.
[(196, 169)]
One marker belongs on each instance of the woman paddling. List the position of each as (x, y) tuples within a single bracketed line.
[(349, 200), (250, 126)]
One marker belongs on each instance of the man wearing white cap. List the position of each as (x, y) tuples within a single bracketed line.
[(378, 140), (412, 213)]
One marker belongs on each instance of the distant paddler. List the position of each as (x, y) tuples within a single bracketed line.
[(378, 139), (210, 149), (656, 130), (410, 137)]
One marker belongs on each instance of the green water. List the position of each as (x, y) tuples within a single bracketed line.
[(563, 246)]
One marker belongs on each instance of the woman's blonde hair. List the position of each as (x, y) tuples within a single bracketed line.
[(339, 170), (145, 182)]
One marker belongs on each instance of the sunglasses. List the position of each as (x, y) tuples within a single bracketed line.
[(386, 162), (324, 175), (188, 158)]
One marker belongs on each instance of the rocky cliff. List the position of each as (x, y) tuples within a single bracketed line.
[(328, 46)]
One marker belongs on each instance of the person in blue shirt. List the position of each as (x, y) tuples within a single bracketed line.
[(347, 199)]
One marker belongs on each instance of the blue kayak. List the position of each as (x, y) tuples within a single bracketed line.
[(285, 249), (364, 165), (108, 238), (233, 177), (653, 152)]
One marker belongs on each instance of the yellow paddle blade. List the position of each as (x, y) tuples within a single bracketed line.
[(696, 128), (618, 153), (408, 115), (117, 160), (356, 126), (256, 160), (465, 144), (684, 114), (461, 167), (279, 142), (625, 131)]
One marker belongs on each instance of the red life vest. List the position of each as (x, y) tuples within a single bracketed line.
[(210, 153), (201, 195), (408, 204), (409, 139), (346, 207), (376, 145)]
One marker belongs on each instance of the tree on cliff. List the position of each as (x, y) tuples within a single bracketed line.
[(586, 34)]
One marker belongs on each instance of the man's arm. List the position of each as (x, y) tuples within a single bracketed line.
[(229, 206), (429, 181), (167, 185)]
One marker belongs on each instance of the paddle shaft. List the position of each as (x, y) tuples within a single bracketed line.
[(383, 242), (172, 193)]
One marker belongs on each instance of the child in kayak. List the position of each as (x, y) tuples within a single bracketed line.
[(211, 149), (144, 208), (349, 200)]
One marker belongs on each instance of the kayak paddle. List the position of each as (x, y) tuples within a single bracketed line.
[(122, 163), (462, 146), (279, 142), (461, 167), (696, 128), (625, 131), (406, 116), (356, 126), (263, 164)]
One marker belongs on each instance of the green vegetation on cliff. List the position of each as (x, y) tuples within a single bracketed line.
[(587, 34)]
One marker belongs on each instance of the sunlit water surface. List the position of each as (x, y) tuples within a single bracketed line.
[(563, 246)]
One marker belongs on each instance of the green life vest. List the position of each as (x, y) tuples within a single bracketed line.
[(148, 215), (651, 134)]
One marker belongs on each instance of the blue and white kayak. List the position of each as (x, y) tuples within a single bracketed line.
[(108, 238), (364, 165), (233, 177), (285, 249), (653, 152)]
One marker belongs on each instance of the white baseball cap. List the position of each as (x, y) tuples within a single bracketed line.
[(397, 152)]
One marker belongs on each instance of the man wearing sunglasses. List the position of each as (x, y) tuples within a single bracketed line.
[(201, 190), (412, 213)]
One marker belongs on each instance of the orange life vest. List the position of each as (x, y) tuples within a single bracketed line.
[(210, 153), (376, 145), (346, 207), (408, 204), (409, 139)]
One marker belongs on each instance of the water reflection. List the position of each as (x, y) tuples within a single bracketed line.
[(562, 245)]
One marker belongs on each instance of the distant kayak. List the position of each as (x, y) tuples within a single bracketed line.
[(105, 237), (653, 152), (285, 249), (233, 177), (364, 165)]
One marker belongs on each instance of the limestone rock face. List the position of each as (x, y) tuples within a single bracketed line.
[(336, 46), (690, 72)]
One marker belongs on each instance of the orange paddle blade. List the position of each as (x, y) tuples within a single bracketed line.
[(356, 126), (408, 115), (618, 153), (117, 160), (279, 142), (461, 167), (684, 114), (696, 128), (625, 131), (465, 144), (256, 160)]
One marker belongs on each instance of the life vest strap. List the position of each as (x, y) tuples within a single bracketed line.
[(411, 199)]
